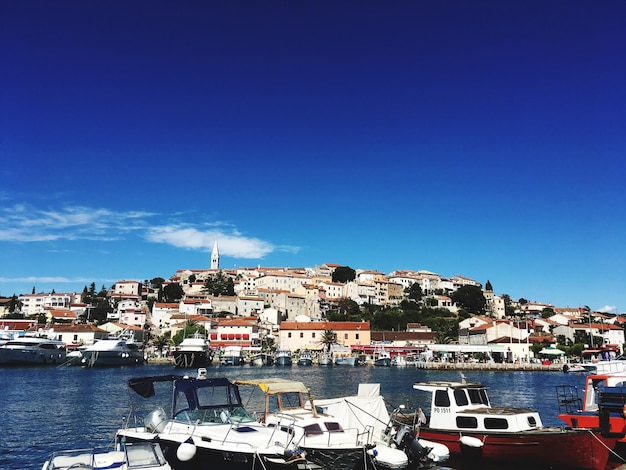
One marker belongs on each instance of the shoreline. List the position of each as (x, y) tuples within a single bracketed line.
[(521, 367)]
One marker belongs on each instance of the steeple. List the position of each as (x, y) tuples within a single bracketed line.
[(215, 257)]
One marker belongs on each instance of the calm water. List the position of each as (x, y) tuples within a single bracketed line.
[(47, 409)]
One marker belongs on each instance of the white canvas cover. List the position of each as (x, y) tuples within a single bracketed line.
[(366, 409)]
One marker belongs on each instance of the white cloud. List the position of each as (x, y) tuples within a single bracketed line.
[(230, 244), (22, 223), (608, 309)]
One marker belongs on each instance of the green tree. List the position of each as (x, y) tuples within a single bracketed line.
[(161, 342), (414, 292), (471, 298), (344, 274), (219, 284), (547, 312), (173, 292)]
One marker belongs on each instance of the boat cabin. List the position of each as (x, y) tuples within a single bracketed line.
[(462, 406)]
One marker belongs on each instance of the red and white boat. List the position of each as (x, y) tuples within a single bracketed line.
[(462, 418), (602, 406)]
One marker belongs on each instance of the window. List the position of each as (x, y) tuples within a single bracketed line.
[(532, 421), (289, 335), (441, 398), (496, 423), (75, 338), (345, 336), (357, 336), (313, 335), (466, 422), (460, 397), (301, 334)]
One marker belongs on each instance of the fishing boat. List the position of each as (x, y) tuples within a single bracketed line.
[(208, 428), (262, 359), (305, 359), (282, 356), (326, 359), (353, 360), (327, 443), (140, 455), (603, 404), (120, 349), (397, 446), (194, 351), (32, 350), (382, 357), (462, 418)]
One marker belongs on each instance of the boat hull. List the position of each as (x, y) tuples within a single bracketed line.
[(548, 448), (214, 458), (283, 361), (186, 359), (112, 358)]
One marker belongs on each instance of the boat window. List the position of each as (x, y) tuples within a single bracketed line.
[(291, 400), (466, 422), (333, 426), (441, 398), (460, 397), (313, 430), (532, 422), (496, 423), (477, 396)]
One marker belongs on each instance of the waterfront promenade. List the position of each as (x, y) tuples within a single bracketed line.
[(478, 366)]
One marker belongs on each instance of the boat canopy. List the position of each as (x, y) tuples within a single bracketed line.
[(273, 386), (144, 386)]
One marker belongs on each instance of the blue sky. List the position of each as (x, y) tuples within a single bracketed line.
[(483, 138)]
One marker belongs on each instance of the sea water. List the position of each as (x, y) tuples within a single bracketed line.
[(45, 409)]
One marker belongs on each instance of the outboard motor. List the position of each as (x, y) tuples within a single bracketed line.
[(405, 440)]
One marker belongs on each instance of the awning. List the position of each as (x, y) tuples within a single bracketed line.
[(552, 352), (272, 386)]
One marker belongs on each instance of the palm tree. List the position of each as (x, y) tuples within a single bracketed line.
[(160, 342), (329, 337)]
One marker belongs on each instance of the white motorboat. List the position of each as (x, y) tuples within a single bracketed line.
[(116, 350), (32, 350), (305, 359), (194, 351), (326, 441), (141, 455), (232, 356), (396, 444), (208, 427)]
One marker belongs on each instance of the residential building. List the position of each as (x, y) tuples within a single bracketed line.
[(307, 335)]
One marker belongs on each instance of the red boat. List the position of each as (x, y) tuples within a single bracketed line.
[(462, 418), (603, 405)]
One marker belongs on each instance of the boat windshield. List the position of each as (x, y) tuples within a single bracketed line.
[(214, 416)]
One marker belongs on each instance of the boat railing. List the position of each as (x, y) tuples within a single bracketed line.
[(568, 399)]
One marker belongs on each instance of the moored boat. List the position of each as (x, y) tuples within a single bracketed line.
[(232, 356), (327, 443), (144, 455), (194, 351), (208, 427), (462, 418), (305, 359), (603, 404), (116, 350), (32, 350), (396, 444), (282, 357)]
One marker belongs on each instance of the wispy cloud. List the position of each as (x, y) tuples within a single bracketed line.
[(25, 224)]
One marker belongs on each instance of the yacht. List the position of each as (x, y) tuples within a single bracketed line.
[(282, 357), (32, 350), (193, 352), (116, 350)]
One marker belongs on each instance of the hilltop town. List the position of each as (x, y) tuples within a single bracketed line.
[(405, 310)]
